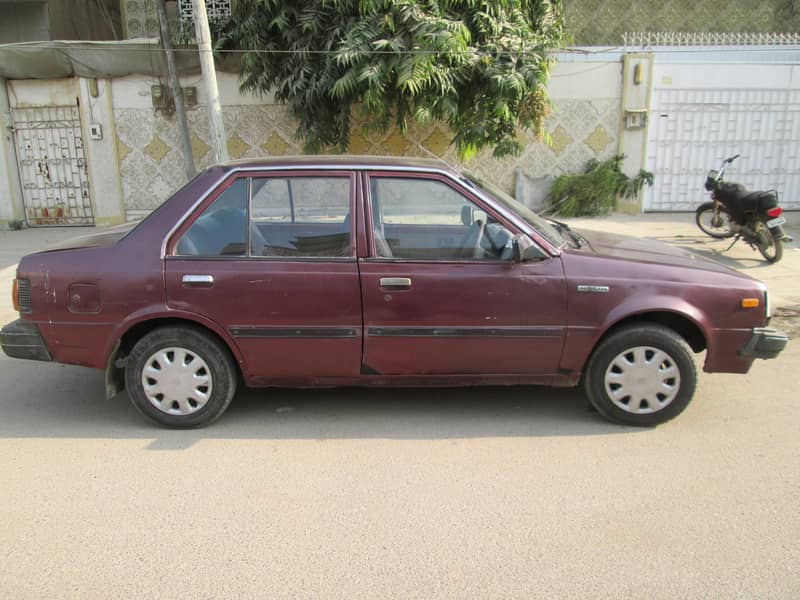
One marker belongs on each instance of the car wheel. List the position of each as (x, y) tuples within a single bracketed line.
[(180, 377), (641, 375)]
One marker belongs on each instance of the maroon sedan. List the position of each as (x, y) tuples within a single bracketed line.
[(333, 271)]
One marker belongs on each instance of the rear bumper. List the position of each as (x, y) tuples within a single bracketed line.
[(22, 339), (764, 343)]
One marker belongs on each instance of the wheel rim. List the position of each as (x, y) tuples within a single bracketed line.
[(715, 223), (642, 380), (177, 381), (770, 250)]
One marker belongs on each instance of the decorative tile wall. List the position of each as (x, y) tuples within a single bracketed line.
[(602, 22), (140, 19), (151, 164)]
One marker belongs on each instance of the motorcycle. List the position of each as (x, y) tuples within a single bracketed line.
[(734, 211)]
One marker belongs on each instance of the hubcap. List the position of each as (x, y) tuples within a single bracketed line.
[(642, 380), (176, 381)]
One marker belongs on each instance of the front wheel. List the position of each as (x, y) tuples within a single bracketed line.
[(772, 250), (180, 377), (641, 375), (712, 221)]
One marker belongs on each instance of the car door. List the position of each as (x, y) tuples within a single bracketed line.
[(441, 292), (271, 259)]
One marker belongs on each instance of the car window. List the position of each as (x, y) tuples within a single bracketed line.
[(545, 228), (427, 219), (300, 216), (222, 228)]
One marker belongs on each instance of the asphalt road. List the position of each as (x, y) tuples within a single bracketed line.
[(518, 492)]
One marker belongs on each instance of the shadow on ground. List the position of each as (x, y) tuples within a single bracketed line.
[(57, 401)]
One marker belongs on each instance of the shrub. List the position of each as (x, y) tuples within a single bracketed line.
[(595, 191)]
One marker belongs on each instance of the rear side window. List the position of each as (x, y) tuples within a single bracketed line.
[(279, 216), (222, 228), (300, 216)]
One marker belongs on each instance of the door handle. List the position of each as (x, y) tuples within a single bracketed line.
[(395, 283), (198, 280)]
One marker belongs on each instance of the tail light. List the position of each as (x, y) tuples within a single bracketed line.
[(21, 295), (775, 212)]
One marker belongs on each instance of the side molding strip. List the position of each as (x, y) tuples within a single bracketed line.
[(293, 332), (537, 332)]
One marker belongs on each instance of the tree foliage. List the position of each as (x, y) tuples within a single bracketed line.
[(478, 66)]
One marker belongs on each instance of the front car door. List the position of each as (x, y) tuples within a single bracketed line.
[(441, 292), (271, 259)]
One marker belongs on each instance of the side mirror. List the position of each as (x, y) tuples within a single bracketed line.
[(525, 250)]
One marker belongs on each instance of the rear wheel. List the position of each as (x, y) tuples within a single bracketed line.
[(180, 377), (641, 375), (715, 222), (772, 251)]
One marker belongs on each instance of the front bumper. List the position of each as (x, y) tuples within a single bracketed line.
[(22, 339), (764, 343)]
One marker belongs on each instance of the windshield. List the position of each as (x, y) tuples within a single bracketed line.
[(550, 233)]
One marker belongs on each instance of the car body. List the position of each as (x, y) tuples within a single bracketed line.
[(333, 271)]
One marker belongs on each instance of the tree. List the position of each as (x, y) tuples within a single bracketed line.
[(479, 66)]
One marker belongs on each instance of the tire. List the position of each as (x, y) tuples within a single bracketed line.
[(704, 217), (774, 252), (180, 377), (623, 372)]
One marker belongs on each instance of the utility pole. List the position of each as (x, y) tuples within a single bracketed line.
[(215, 125), (177, 92)]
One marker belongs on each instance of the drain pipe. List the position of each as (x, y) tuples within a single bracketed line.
[(11, 206)]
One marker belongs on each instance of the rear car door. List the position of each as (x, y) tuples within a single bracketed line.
[(441, 293), (270, 257)]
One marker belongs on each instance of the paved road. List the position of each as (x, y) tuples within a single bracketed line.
[(360, 493)]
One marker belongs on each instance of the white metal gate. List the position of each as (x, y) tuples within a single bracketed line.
[(52, 166), (692, 130)]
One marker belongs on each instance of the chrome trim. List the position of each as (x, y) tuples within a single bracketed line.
[(199, 280), (395, 282), (359, 168), (598, 289)]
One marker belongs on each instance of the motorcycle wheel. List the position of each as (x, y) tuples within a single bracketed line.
[(717, 223), (772, 252)]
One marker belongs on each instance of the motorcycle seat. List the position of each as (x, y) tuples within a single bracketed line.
[(739, 198)]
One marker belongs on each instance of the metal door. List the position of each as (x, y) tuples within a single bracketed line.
[(692, 130), (52, 166)]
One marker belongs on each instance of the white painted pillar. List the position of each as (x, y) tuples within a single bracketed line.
[(11, 206), (637, 83)]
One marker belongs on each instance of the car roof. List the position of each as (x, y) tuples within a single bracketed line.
[(339, 160)]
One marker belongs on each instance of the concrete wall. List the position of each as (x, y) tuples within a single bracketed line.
[(23, 22), (59, 20), (101, 155), (584, 124), (137, 164)]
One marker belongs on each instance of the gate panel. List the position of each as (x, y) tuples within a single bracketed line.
[(52, 166), (692, 130)]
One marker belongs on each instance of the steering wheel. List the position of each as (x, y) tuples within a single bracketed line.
[(471, 242)]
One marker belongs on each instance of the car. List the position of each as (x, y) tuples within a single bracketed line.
[(342, 270)]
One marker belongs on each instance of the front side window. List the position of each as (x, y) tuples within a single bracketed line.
[(427, 219), (281, 217)]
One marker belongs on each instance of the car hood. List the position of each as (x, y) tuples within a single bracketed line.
[(645, 250), (104, 237)]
